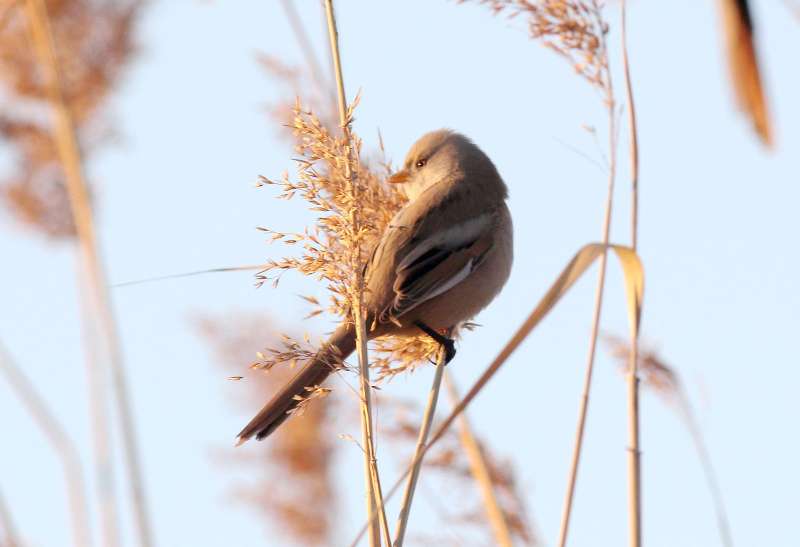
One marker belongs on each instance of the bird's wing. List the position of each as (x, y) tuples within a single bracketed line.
[(433, 263)]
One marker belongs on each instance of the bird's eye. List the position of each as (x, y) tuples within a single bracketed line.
[(421, 163)]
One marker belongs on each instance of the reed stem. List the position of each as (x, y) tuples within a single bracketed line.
[(63, 447), (598, 306), (419, 452), (374, 495), (9, 535), (634, 453), (481, 473)]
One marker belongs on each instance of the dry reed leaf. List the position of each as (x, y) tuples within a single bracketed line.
[(737, 25), (585, 257)]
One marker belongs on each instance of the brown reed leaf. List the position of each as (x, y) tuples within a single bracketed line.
[(737, 25), (95, 44)]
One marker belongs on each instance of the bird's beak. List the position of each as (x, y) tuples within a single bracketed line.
[(400, 176)]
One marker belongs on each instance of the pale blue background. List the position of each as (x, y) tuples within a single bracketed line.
[(718, 238)]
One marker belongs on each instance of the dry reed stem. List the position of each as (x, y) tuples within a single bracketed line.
[(419, 451), (96, 380), (708, 469), (632, 127), (595, 329), (634, 453), (9, 537), (666, 382), (481, 473), (587, 382), (372, 479), (62, 445), (69, 153)]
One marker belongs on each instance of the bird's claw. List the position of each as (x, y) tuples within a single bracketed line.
[(449, 346), (447, 343)]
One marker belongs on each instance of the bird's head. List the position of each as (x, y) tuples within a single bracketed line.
[(445, 155)]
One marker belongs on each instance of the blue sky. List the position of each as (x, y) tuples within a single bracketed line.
[(718, 228)]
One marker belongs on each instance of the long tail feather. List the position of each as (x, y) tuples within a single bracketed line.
[(276, 411)]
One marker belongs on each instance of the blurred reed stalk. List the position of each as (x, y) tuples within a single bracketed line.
[(69, 154), (299, 31), (9, 531), (105, 487), (419, 451), (723, 525), (480, 472), (373, 488), (63, 447), (634, 453)]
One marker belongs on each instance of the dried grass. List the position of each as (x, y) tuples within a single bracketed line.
[(326, 247)]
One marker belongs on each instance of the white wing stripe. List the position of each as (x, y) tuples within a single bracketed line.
[(450, 238)]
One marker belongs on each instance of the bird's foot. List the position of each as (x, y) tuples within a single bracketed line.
[(447, 343)]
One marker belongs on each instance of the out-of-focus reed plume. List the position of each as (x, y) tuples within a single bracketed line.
[(96, 44), (292, 482), (665, 381), (457, 496)]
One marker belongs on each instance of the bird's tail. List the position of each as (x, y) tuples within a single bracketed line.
[(276, 411)]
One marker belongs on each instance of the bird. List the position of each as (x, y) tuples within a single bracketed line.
[(443, 258)]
